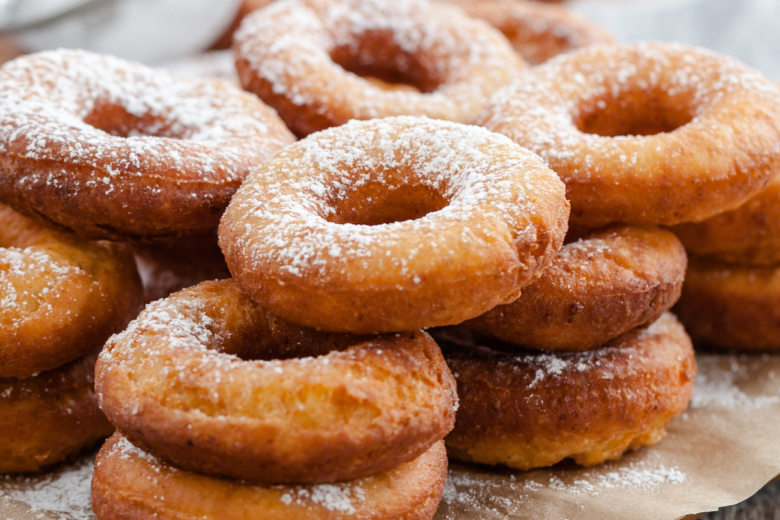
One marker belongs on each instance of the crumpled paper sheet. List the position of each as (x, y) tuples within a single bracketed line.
[(720, 452)]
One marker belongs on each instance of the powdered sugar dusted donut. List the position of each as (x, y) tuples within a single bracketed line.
[(214, 383), (127, 484), (112, 149), (651, 133), (293, 54), (393, 224), (538, 32)]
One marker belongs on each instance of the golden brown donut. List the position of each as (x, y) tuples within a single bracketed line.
[(393, 224), (60, 297), (305, 58), (188, 382), (748, 235), (649, 133), (167, 267), (114, 150), (534, 410), (50, 417), (129, 484), (538, 32), (730, 306), (596, 288)]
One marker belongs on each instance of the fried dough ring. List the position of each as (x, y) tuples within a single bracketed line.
[(538, 409), (173, 384), (114, 150), (537, 32), (129, 484), (731, 307), (596, 289), (748, 235), (650, 133), (167, 267), (50, 417), (60, 297), (291, 54), (393, 224)]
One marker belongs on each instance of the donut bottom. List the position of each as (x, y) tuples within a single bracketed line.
[(129, 484), (50, 417), (731, 307), (535, 410)]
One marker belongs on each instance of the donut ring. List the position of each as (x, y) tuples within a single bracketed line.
[(50, 417), (173, 384), (596, 289), (533, 411), (697, 133), (60, 297), (731, 307), (114, 150), (537, 32), (167, 267), (748, 235), (293, 54), (393, 224), (129, 484)]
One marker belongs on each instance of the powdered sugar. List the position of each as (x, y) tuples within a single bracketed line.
[(718, 385)]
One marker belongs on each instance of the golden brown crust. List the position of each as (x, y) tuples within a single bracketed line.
[(648, 133), (50, 417), (537, 32), (131, 485), (731, 307), (748, 235), (114, 150), (61, 297), (357, 229), (534, 410), (167, 267), (597, 288), (173, 384), (293, 55)]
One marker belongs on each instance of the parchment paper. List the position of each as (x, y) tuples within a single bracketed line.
[(720, 452)]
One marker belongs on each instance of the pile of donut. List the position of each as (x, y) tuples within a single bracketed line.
[(461, 248)]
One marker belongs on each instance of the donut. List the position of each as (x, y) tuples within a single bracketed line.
[(648, 133), (114, 150), (188, 382), (393, 224), (60, 297), (167, 267), (49, 418), (596, 288), (305, 58), (538, 32), (535, 410), (731, 307), (748, 235), (129, 484)]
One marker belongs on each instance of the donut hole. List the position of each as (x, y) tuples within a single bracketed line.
[(376, 204), (376, 57), (116, 120), (635, 113)]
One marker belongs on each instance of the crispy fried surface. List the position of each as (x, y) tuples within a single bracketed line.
[(648, 133), (50, 417), (534, 410), (598, 287), (748, 235), (537, 32), (393, 224), (731, 306), (128, 484), (293, 55), (174, 385), (114, 150), (60, 297)]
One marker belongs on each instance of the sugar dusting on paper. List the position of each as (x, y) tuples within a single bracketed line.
[(717, 385)]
